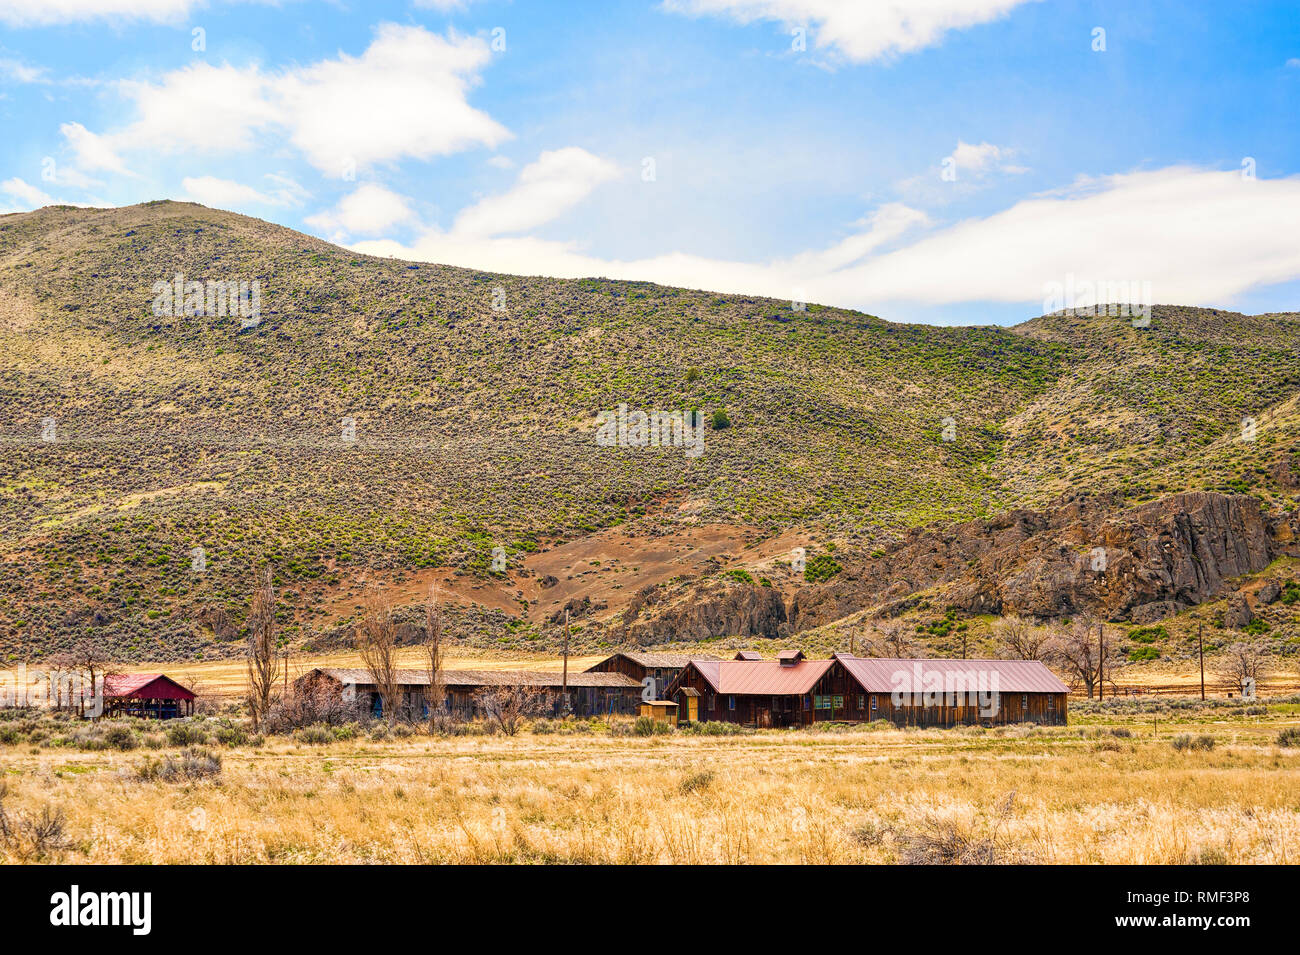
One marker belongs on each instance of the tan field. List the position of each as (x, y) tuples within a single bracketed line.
[(1071, 795)]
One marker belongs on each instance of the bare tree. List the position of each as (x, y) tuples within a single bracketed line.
[(89, 666), (376, 641), (435, 692), (1021, 639), (263, 658), (1243, 661), (1084, 653), (892, 640), (509, 707), (58, 666)]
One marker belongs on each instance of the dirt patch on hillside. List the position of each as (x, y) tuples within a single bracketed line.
[(607, 568)]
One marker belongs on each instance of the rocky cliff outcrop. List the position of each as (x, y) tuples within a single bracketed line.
[(698, 611), (1139, 564)]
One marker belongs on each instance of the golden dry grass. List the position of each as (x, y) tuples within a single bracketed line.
[(794, 797)]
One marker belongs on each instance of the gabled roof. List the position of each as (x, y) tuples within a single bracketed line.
[(748, 655), (879, 675), (664, 660), (145, 686), (767, 677)]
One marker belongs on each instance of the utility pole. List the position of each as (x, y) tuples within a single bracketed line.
[(1200, 649), (564, 685)]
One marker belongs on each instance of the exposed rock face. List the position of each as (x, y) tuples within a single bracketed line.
[(1140, 564), (698, 612)]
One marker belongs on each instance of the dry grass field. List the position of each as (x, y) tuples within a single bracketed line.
[(1111, 788)]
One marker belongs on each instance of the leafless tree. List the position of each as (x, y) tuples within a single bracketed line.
[(376, 641), (89, 666), (1019, 639), (263, 658), (509, 707), (308, 705), (892, 640), (1084, 652), (1243, 661), (435, 693)]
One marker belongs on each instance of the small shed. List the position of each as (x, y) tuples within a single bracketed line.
[(154, 696), (661, 711)]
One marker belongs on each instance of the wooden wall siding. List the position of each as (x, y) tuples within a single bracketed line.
[(662, 675), (849, 704)]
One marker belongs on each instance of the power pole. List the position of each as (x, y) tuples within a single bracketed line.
[(564, 685), (1200, 649)]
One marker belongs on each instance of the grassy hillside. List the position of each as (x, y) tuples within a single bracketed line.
[(475, 425)]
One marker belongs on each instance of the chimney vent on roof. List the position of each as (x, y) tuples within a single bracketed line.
[(788, 658)]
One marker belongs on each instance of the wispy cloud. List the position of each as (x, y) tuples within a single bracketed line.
[(859, 30), (1196, 235), (369, 209), (404, 97)]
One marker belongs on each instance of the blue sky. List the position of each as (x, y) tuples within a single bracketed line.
[(951, 163)]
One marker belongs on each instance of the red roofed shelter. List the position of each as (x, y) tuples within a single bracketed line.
[(148, 695)]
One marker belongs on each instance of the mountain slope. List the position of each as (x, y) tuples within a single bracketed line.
[(475, 400)]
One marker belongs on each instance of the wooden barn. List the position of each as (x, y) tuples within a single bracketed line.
[(753, 692), (154, 696), (590, 694), (948, 692), (793, 691), (660, 667)]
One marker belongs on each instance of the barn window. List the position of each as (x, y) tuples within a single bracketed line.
[(874, 699), (1024, 701), (731, 702), (1051, 702), (862, 702)]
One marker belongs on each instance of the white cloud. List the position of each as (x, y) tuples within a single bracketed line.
[(983, 158), (31, 197), (369, 209), (859, 30), (1197, 236), (92, 151), (46, 12), (557, 181), (405, 96), (20, 72), (225, 193), (197, 108), (26, 193)]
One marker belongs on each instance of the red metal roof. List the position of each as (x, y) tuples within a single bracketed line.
[(878, 675), (145, 686), (767, 677)]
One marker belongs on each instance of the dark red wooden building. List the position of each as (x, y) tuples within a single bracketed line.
[(149, 695), (793, 691)]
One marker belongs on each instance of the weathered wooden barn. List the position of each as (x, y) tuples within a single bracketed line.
[(793, 691), (590, 694), (153, 696), (660, 667), (943, 692), (753, 692)]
